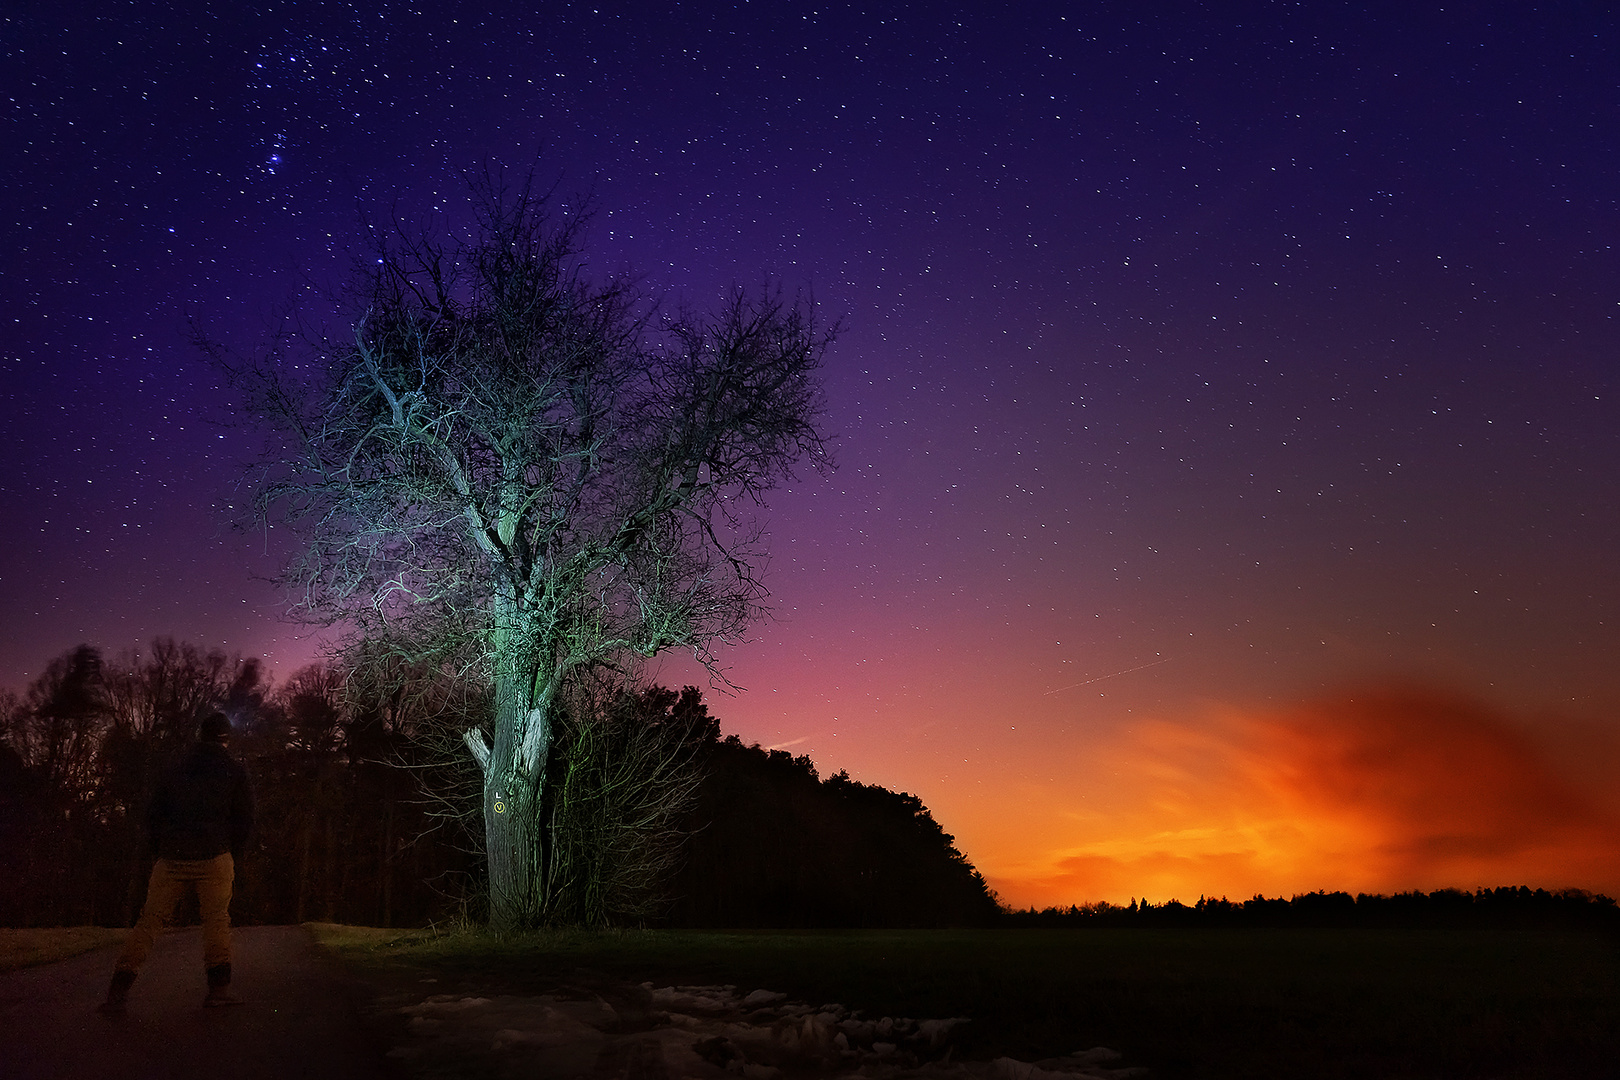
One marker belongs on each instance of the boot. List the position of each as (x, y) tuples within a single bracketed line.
[(117, 994), (219, 987)]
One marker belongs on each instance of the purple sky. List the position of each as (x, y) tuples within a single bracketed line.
[(1199, 360)]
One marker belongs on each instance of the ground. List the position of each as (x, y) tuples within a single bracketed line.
[(588, 1027), (301, 1016), (760, 1005), (304, 1015)]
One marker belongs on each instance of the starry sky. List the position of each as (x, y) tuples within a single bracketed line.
[(1225, 406)]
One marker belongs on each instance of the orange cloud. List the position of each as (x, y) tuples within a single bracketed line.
[(1378, 791)]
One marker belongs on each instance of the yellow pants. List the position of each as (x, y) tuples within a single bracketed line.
[(212, 878)]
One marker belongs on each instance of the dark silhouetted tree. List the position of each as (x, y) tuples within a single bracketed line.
[(64, 723), (153, 703), (58, 735), (774, 845), (627, 771), (342, 833)]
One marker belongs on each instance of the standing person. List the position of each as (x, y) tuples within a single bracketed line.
[(198, 824)]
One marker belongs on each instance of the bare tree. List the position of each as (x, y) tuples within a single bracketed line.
[(162, 694), (312, 702), (413, 717), (627, 775), (153, 702), (64, 722), (518, 474)]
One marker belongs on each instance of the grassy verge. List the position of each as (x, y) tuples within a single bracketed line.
[(1186, 1003), (25, 948)]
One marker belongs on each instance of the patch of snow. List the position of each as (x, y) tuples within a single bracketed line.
[(704, 1033)]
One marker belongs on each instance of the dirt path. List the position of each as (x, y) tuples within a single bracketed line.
[(300, 1017)]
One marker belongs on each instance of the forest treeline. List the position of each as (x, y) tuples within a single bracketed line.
[(1507, 907), (356, 821), (341, 834), (774, 845)]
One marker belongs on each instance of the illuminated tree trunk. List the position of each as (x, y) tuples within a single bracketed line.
[(512, 846), (514, 775)]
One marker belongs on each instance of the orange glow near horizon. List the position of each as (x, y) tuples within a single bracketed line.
[(1384, 791)]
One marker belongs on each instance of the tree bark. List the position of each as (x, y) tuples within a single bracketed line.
[(512, 846), (514, 774)]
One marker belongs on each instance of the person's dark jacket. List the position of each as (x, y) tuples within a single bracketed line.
[(203, 807)]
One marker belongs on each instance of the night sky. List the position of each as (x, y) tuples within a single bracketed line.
[(1226, 406)]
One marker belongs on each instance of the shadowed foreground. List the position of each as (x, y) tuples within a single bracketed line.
[(298, 1019), (1186, 1005)]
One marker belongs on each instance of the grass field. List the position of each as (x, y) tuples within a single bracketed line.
[(25, 948), (1185, 1003)]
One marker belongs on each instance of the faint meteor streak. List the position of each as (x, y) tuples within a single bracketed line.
[(1100, 678)]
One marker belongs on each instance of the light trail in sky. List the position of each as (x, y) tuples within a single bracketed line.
[(1100, 678)]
